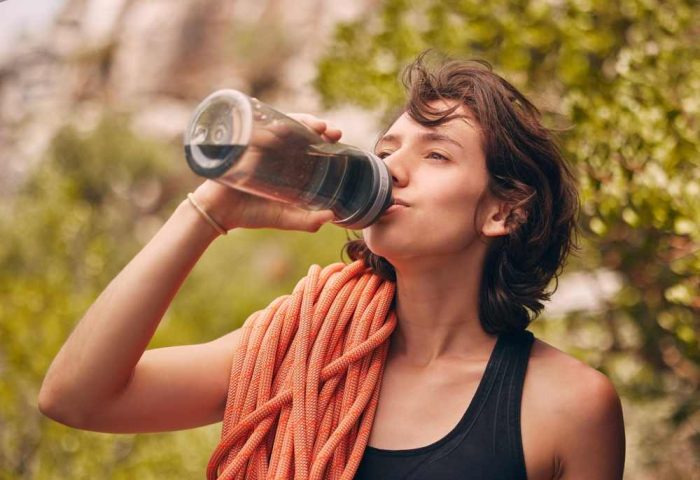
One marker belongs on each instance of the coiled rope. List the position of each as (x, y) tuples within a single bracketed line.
[(305, 379)]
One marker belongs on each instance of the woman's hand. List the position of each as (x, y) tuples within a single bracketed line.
[(233, 208)]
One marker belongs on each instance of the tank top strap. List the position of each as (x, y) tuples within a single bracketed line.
[(502, 408)]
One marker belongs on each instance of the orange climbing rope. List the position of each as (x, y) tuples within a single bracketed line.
[(305, 379)]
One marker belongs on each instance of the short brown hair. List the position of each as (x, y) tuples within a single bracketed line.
[(526, 169)]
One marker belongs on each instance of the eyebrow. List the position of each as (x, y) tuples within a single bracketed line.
[(426, 136)]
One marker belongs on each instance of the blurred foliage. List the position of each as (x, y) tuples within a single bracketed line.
[(95, 200), (261, 58), (623, 77)]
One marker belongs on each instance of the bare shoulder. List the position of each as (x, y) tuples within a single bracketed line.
[(564, 383), (579, 409)]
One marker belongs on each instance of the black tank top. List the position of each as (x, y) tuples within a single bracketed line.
[(486, 443)]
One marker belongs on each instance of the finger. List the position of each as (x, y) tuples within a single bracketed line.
[(277, 135), (266, 138), (295, 218), (311, 121), (324, 216), (332, 134)]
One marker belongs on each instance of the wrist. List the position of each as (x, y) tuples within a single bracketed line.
[(214, 199), (206, 216), (195, 222)]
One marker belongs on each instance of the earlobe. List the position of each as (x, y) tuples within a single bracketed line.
[(495, 224), (494, 228)]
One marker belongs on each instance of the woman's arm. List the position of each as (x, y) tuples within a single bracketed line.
[(571, 423), (103, 379), (592, 438), (95, 383)]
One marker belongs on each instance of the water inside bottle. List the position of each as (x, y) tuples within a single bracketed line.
[(317, 177), (211, 160)]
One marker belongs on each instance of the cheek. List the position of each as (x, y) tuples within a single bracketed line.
[(453, 203), (450, 224)]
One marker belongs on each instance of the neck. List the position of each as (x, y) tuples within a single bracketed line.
[(437, 306)]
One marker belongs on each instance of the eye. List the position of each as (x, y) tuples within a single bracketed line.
[(383, 155), (437, 156)]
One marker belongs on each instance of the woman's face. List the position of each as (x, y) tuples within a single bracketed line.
[(440, 172)]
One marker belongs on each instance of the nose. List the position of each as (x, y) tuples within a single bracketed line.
[(397, 169)]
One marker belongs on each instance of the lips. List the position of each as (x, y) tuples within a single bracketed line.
[(395, 206)]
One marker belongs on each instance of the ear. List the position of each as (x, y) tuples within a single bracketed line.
[(496, 212)]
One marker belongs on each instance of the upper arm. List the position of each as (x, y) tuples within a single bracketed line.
[(172, 388), (592, 439)]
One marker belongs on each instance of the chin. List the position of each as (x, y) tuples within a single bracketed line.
[(392, 251), (398, 247)]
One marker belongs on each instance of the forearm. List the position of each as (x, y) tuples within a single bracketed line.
[(99, 357)]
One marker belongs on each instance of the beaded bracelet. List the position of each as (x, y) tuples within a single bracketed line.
[(206, 216)]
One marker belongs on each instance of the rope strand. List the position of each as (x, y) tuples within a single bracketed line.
[(304, 383)]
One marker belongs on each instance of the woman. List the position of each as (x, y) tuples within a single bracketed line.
[(486, 220)]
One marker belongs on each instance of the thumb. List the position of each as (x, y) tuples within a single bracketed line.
[(313, 221), (291, 217), (317, 219)]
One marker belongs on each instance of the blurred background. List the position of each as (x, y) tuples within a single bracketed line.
[(95, 95)]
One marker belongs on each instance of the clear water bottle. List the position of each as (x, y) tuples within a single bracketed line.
[(245, 144)]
